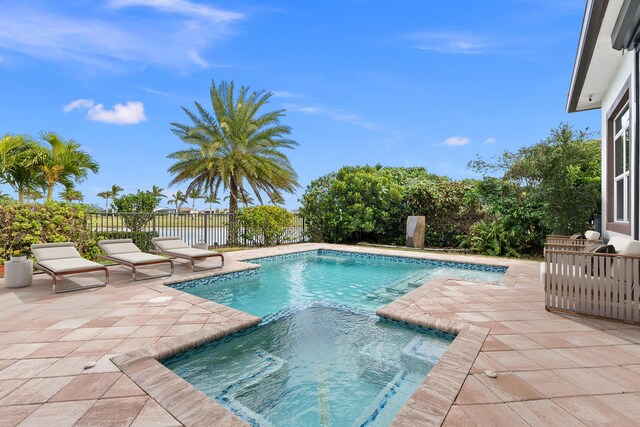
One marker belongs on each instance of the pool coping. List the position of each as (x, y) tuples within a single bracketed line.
[(429, 404)]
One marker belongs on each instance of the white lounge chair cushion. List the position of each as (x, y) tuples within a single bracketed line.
[(169, 244), (119, 248), (625, 246), (591, 235), (191, 252), (68, 265), (138, 257), (43, 252)]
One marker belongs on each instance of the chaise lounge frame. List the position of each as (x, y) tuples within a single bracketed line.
[(192, 258), (133, 265), (56, 274)]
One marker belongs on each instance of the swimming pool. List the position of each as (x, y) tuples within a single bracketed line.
[(320, 356), (362, 281)]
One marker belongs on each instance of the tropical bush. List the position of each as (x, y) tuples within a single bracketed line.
[(140, 206), (23, 225), (264, 225)]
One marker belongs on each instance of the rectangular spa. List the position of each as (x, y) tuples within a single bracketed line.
[(315, 365), (320, 357)]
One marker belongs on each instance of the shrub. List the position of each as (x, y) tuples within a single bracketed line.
[(137, 209), (264, 225), (23, 225)]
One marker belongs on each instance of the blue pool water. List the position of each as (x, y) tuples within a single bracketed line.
[(320, 357), (365, 282), (315, 366)]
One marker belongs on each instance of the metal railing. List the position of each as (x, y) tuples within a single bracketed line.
[(211, 228)]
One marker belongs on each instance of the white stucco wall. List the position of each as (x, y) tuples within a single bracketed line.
[(624, 72)]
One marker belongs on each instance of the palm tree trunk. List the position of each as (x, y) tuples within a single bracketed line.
[(20, 195), (232, 237), (50, 192)]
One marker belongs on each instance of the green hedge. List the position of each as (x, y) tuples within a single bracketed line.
[(23, 225)]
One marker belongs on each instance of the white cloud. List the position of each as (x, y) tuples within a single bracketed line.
[(130, 113), (177, 38), (490, 140), (182, 7), (456, 141), (448, 42), (154, 91), (283, 94), (335, 114)]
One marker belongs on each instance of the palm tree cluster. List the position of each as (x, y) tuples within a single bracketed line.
[(110, 194), (33, 167)]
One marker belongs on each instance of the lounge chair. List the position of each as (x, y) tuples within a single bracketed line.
[(176, 247), (62, 259), (125, 252)]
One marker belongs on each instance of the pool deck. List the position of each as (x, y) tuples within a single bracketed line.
[(552, 369)]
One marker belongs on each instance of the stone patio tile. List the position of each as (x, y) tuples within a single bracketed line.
[(549, 359), (583, 357), (629, 335), (46, 335), (473, 391), (56, 349), (37, 390), (163, 319), (19, 351), (627, 379), (549, 384), (457, 418), (103, 322), (513, 360), (133, 320), (544, 413), (593, 411), (116, 332), (497, 328), (70, 365), (618, 354), (131, 344), (7, 386), (13, 415), (113, 412), (518, 342), (124, 387), (150, 331), (26, 368), (60, 414), (627, 404), (13, 337), (497, 415), (154, 415), (474, 317), (592, 338), (483, 362), (90, 386), (183, 329), (589, 381), (69, 323), (103, 364), (81, 334), (509, 387), (492, 343), (550, 339)]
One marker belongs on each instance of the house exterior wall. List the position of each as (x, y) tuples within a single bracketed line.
[(625, 75)]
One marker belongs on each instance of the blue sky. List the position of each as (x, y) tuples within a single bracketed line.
[(403, 83)]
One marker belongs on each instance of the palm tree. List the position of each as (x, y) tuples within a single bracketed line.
[(71, 195), (157, 192), (212, 200), (179, 198), (20, 157), (234, 146), (32, 196), (276, 198), (193, 195), (64, 163), (105, 195), (113, 193)]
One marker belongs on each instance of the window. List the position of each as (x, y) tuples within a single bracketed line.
[(621, 165)]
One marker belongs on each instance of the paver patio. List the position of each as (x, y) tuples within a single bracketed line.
[(552, 369)]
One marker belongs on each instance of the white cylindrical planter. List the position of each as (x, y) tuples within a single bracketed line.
[(18, 274)]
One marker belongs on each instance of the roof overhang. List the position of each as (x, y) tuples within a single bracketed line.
[(608, 28)]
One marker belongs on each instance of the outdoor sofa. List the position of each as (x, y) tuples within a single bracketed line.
[(126, 253), (176, 247), (62, 259)]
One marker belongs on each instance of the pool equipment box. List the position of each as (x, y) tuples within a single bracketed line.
[(415, 232)]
